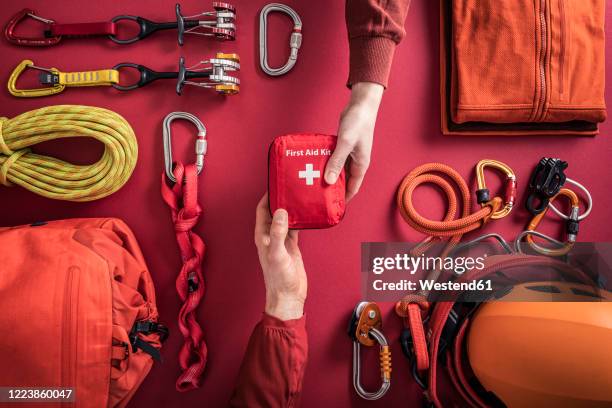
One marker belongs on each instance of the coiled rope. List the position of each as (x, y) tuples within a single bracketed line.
[(57, 179)]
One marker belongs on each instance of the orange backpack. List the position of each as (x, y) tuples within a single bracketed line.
[(79, 303)]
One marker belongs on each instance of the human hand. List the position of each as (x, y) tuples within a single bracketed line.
[(281, 262), (355, 136)]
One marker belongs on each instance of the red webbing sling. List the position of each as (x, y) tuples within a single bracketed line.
[(182, 198)]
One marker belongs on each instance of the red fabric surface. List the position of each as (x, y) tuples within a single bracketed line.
[(240, 129)]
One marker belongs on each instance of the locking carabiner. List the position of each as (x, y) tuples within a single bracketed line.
[(9, 30), (483, 196), (364, 329), (58, 81), (572, 226), (200, 144), (295, 42)]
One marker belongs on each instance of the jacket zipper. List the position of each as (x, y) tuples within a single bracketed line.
[(562, 46), (68, 335), (544, 50)]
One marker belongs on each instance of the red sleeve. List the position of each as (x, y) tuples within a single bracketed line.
[(374, 27), (273, 365)]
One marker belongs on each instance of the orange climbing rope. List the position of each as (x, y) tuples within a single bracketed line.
[(450, 226)]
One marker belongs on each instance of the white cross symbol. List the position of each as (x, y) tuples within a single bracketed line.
[(309, 174)]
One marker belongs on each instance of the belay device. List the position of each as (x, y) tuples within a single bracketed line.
[(365, 330), (219, 23)]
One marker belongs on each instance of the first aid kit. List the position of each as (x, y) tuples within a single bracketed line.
[(296, 165), (548, 57), (218, 23), (80, 304)]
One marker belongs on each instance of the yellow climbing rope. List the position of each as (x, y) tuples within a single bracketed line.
[(57, 179)]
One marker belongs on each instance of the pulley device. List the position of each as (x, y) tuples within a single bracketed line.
[(219, 23), (365, 330), (213, 73), (179, 189), (545, 186), (295, 41)]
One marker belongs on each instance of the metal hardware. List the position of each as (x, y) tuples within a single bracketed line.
[(572, 228), (44, 40), (200, 145), (295, 42), (483, 194), (546, 180), (221, 25), (213, 73), (589, 205), (29, 93), (364, 329)]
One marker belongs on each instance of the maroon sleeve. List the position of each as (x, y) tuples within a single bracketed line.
[(273, 365), (374, 27)]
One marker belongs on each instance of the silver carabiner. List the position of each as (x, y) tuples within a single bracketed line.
[(295, 42), (364, 329), (200, 145)]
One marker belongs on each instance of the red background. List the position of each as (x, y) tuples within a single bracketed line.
[(240, 128)]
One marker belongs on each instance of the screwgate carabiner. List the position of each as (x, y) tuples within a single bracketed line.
[(364, 329), (483, 195), (572, 226), (295, 42), (200, 146), (221, 25)]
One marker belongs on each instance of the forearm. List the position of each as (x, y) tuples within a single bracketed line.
[(374, 29), (273, 366)]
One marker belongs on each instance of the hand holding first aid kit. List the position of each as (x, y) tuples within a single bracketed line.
[(296, 163)]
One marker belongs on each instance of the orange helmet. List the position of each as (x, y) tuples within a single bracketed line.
[(554, 353)]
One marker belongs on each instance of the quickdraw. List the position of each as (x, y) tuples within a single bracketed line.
[(212, 73), (219, 24), (179, 189), (295, 42), (365, 330)]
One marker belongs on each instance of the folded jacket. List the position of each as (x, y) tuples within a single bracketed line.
[(527, 61)]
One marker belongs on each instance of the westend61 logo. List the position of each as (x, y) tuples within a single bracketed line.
[(412, 264)]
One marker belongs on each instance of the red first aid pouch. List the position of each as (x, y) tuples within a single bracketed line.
[(296, 164)]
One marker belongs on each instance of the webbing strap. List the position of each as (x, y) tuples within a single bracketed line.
[(103, 77), (182, 198), (82, 29)]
